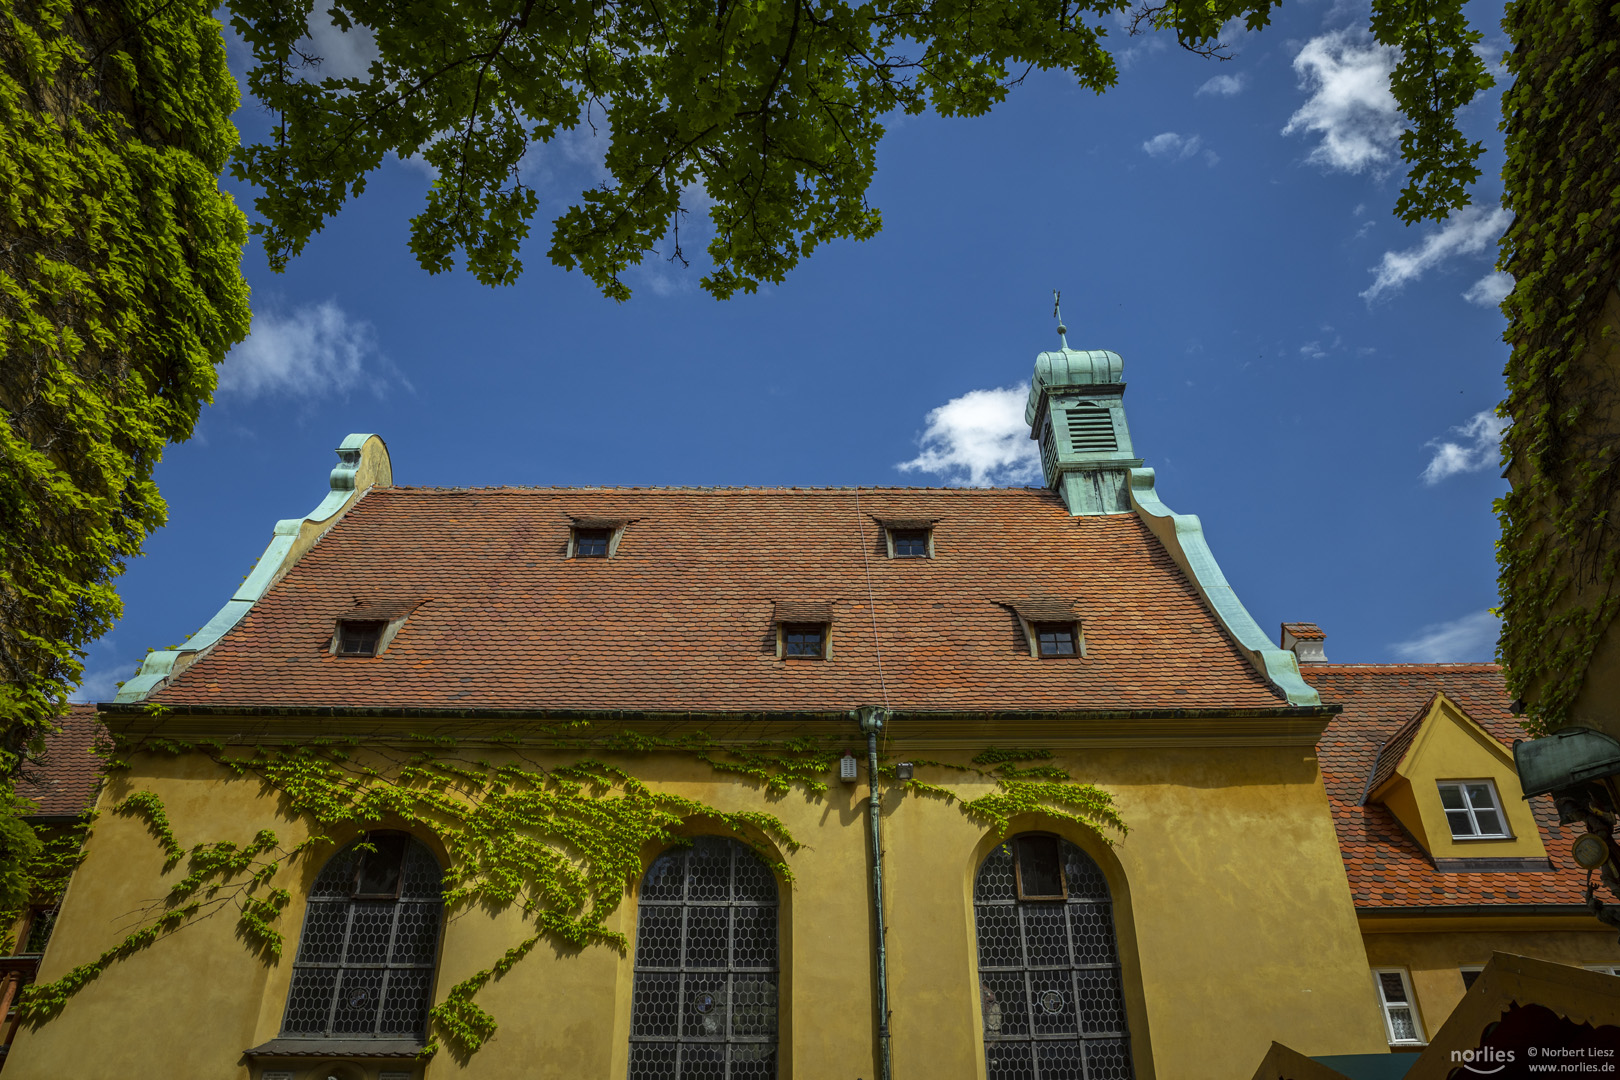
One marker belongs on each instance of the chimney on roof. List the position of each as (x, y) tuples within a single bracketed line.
[(1304, 640)]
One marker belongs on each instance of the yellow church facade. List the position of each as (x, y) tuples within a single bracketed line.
[(889, 784)]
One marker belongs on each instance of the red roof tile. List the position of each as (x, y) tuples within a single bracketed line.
[(1386, 867), (681, 618), (1304, 631), (1395, 748), (63, 780)]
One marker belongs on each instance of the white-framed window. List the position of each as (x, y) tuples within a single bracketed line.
[(1472, 809), (1470, 972), (1399, 1007), (1607, 969)]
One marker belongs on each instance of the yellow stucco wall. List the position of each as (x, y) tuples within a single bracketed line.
[(1434, 958), (1235, 923)]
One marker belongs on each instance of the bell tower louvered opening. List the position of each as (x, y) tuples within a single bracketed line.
[(1091, 430), (1076, 414)]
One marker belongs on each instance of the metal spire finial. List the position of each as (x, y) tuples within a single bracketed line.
[(1057, 299)]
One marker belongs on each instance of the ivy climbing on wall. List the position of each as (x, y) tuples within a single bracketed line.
[(543, 824), (1559, 554)]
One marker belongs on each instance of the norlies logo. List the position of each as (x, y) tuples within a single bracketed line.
[(1472, 1060)]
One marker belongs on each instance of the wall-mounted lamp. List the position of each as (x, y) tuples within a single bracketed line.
[(902, 770), (848, 768)]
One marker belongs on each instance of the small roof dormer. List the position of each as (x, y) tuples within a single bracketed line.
[(1076, 411), (1452, 786)]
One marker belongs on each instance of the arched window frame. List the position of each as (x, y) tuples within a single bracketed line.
[(707, 966), (1051, 985), (369, 946)]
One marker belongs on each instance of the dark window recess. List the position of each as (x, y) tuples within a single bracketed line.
[(1050, 985), (1055, 639), (1040, 869), (591, 543), (364, 966), (704, 1001), (40, 925), (1469, 977), (805, 641), (378, 875), (910, 543), (359, 638)]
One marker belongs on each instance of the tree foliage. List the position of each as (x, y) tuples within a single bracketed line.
[(768, 113), (1560, 551), (119, 291)]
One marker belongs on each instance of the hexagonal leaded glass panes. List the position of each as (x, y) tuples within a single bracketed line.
[(705, 998), (1050, 994), (364, 965)]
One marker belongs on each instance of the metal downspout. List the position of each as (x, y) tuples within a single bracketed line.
[(872, 719)]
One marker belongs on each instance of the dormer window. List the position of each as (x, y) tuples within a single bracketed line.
[(804, 641), (909, 539), (909, 543), (803, 630), (1051, 627), (591, 543), (1472, 809), (595, 538), (359, 637), (1056, 640)]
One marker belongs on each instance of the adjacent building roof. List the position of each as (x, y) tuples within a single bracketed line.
[(62, 782), (681, 618), (1386, 866)]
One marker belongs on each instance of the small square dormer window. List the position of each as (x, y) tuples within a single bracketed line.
[(359, 637), (1056, 641), (804, 641), (592, 543), (911, 543), (1472, 809)]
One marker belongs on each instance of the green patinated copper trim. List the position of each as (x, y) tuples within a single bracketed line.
[(1183, 536), (359, 457)]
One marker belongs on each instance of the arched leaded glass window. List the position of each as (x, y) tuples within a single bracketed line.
[(364, 967), (706, 975), (1049, 976)]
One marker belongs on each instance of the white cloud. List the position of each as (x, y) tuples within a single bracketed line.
[(1312, 350), (1172, 147), (1222, 86), (315, 350), (1470, 638), (1467, 232), (979, 439), (1148, 43), (1350, 104), (345, 54), (1480, 448), (1490, 290), (100, 684)]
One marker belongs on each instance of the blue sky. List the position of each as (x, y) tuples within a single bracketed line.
[(1310, 377)]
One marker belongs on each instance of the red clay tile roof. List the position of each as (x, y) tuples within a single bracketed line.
[(1304, 631), (63, 780), (1395, 748), (1386, 867), (681, 618)]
